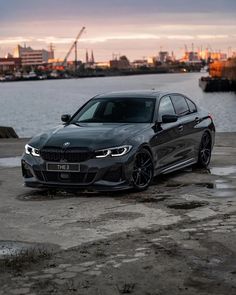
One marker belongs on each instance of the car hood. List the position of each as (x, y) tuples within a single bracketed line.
[(88, 135)]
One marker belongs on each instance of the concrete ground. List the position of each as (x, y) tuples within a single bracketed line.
[(178, 237)]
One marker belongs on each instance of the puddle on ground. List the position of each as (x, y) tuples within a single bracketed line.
[(57, 194), (187, 205), (10, 162), (215, 184), (221, 153), (153, 199), (223, 171), (224, 193), (209, 185), (10, 248), (120, 216), (178, 185), (224, 185), (46, 195), (174, 184)]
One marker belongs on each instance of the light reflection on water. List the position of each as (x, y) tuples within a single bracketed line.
[(223, 171), (10, 162), (32, 107)]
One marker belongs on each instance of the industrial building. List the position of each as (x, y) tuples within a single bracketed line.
[(31, 57), (120, 64), (9, 64)]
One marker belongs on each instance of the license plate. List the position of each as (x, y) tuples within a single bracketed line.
[(64, 167)]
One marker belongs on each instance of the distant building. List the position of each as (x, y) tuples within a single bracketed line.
[(139, 63), (92, 60), (89, 61), (120, 64), (191, 57), (164, 56), (10, 64), (151, 60), (209, 55), (31, 57), (86, 57), (102, 65), (56, 64), (218, 56)]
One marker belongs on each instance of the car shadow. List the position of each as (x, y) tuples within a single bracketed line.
[(163, 180)]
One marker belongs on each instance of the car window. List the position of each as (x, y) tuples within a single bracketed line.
[(180, 105), (109, 108), (192, 106), (89, 113), (165, 107), (117, 110)]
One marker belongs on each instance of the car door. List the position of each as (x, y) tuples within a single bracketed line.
[(186, 123), (167, 141), (195, 126)]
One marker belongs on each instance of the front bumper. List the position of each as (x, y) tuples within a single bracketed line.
[(106, 174)]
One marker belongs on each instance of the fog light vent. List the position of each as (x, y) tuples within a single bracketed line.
[(114, 175)]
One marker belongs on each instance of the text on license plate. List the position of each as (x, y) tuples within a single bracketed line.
[(63, 167)]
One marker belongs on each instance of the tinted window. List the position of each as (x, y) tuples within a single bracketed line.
[(117, 110), (89, 113), (180, 105), (109, 108), (192, 106), (166, 107)]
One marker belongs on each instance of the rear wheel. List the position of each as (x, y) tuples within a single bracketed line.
[(204, 155), (143, 170)]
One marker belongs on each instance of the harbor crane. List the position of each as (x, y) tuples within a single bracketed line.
[(73, 46)]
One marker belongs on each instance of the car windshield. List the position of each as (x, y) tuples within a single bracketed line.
[(117, 110)]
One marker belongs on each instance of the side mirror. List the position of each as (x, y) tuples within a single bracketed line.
[(169, 118), (65, 118)]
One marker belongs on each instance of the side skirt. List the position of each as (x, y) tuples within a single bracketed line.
[(178, 166)]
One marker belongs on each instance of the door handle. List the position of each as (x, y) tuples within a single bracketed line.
[(197, 120), (180, 128)]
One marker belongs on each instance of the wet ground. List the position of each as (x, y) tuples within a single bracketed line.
[(178, 237)]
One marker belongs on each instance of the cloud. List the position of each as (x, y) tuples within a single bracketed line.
[(212, 36), (92, 40), (15, 40), (180, 37), (55, 40), (103, 39), (12, 10), (122, 37)]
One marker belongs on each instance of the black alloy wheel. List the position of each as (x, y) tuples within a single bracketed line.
[(204, 156), (143, 170)]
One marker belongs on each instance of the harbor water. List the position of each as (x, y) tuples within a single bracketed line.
[(34, 106)]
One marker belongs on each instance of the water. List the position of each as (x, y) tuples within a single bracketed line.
[(10, 162), (32, 107)]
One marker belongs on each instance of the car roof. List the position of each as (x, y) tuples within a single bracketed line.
[(133, 93)]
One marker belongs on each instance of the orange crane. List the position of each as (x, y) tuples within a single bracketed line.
[(73, 46)]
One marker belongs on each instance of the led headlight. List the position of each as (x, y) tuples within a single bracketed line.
[(29, 150), (113, 152)]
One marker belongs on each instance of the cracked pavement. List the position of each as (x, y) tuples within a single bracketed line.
[(178, 237)]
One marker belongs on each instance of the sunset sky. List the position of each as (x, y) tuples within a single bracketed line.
[(132, 27)]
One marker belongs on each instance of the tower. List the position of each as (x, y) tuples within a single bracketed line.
[(51, 51), (92, 57), (86, 57)]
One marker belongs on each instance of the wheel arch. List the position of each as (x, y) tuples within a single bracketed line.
[(147, 147), (207, 131)]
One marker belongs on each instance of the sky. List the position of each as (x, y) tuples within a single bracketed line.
[(135, 28)]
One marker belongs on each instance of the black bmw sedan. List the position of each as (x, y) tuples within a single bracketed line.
[(120, 140)]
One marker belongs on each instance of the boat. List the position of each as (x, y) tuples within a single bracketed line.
[(209, 84)]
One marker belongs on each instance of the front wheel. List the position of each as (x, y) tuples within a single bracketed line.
[(143, 170), (204, 155)]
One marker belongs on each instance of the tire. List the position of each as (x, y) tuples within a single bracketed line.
[(143, 170), (204, 155)]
